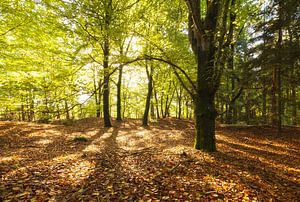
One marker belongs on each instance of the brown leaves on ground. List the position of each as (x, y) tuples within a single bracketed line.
[(158, 163)]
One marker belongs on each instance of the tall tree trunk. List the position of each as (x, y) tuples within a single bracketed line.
[(22, 113), (294, 105), (207, 47), (149, 95), (179, 101), (96, 91), (152, 110), (156, 103), (106, 53), (31, 110), (278, 69), (273, 99), (162, 105), (264, 105), (232, 108), (205, 121), (119, 100), (67, 111)]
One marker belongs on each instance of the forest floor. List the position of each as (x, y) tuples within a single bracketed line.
[(43, 162)]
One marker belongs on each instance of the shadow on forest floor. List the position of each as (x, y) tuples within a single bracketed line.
[(129, 162)]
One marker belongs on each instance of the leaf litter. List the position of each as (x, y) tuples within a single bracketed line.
[(42, 162)]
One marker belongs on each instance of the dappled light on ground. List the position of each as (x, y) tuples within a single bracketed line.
[(42, 162)]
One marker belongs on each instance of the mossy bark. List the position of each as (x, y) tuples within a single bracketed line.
[(205, 123)]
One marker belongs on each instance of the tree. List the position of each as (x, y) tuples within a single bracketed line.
[(207, 28)]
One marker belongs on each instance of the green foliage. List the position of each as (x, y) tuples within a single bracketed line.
[(51, 58)]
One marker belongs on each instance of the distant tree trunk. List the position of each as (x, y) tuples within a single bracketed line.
[(58, 111), (67, 110), (119, 100), (96, 93), (264, 105), (152, 110), (187, 108), (31, 110), (248, 109), (273, 99), (179, 101), (149, 95), (294, 105), (156, 103), (232, 106), (166, 107), (278, 69), (162, 105), (23, 112)]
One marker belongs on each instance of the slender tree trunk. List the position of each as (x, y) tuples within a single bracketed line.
[(273, 99), (149, 95), (179, 98), (264, 105), (294, 105), (119, 100), (58, 112), (96, 93), (106, 75), (162, 105), (152, 110), (31, 110), (67, 110), (278, 69), (156, 103), (106, 105)]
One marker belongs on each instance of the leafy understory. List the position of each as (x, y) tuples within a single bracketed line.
[(42, 162)]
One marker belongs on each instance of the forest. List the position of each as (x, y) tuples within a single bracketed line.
[(149, 100)]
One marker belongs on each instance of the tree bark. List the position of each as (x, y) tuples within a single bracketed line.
[(156, 103), (264, 105), (119, 100), (203, 39), (294, 105), (149, 95), (205, 122), (106, 113), (106, 54)]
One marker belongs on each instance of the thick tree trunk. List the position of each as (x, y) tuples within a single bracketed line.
[(205, 122), (119, 86), (203, 39), (204, 103)]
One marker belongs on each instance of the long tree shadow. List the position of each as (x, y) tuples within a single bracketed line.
[(109, 180), (265, 181), (128, 163)]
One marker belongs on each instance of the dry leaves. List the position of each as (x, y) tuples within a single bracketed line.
[(131, 163)]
